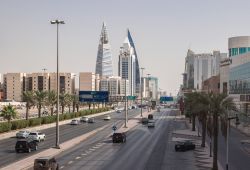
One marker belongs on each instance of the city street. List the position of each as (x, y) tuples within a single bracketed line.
[(144, 149), (67, 132)]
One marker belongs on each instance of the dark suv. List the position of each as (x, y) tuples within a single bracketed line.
[(119, 137), (46, 163), (26, 145)]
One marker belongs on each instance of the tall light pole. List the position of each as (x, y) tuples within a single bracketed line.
[(148, 90), (141, 87), (57, 22), (126, 110)]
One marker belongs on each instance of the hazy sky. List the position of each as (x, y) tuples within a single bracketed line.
[(162, 30)]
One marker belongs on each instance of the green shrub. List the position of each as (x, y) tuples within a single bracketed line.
[(19, 124), (48, 119), (61, 117), (5, 127), (66, 116), (35, 122)]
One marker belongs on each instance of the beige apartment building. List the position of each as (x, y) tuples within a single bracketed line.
[(66, 80), (88, 81), (37, 81), (14, 85)]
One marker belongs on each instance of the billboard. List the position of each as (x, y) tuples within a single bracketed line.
[(93, 96), (166, 99)]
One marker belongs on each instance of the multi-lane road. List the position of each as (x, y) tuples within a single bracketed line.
[(146, 148), (67, 132)]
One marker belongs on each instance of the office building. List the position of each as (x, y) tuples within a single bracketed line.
[(150, 88), (200, 67), (104, 57), (127, 66), (239, 70), (224, 75)]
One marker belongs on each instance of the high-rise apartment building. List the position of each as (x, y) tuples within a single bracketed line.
[(14, 86), (127, 65), (88, 81), (150, 87), (104, 57)]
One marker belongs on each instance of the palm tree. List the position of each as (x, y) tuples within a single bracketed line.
[(40, 97), (75, 102), (220, 104), (69, 100), (9, 112), (63, 100), (51, 100), (29, 98), (191, 100)]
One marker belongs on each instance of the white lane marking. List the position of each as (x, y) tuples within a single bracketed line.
[(78, 157), (91, 149), (95, 147), (83, 154), (61, 167), (70, 162)]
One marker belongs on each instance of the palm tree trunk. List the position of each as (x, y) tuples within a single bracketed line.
[(39, 111), (69, 109), (27, 112), (51, 111), (204, 126), (74, 106), (193, 122), (215, 148), (62, 109), (77, 107)]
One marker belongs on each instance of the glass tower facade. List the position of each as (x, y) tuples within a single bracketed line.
[(137, 68), (104, 57)]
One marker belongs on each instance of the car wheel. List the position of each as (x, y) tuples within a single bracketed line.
[(17, 151)]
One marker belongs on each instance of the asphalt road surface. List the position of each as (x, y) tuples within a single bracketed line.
[(67, 132), (146, 148)]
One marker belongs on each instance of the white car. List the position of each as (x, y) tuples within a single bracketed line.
[(107, 117), (84, 119), (37, 136), (22, 134), (151, 123), (74, 122)]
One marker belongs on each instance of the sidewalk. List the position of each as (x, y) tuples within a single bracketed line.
[(28, 162), (202, 158), (46, 126)]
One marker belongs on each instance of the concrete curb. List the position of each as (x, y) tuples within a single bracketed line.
[(28, 162), (46, 126)]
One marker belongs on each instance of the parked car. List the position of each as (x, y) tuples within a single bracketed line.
[(22, 134), (150, 116), (46, 163), (107, 117), (118, 111), (74, 122), (184, 146), (119, 137), (151, 123), (37, 136), (84, 119), (25, 145), (144, 120), (91, 120)]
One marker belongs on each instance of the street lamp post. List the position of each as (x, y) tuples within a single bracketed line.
[(141, 87), (126, 111), (57, 22), (148, 91)]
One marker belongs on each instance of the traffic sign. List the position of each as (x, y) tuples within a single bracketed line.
[(93, 96), (114, 128)]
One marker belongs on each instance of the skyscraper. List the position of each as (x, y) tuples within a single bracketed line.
[(127, 65), (137, 68), (104, 57)]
